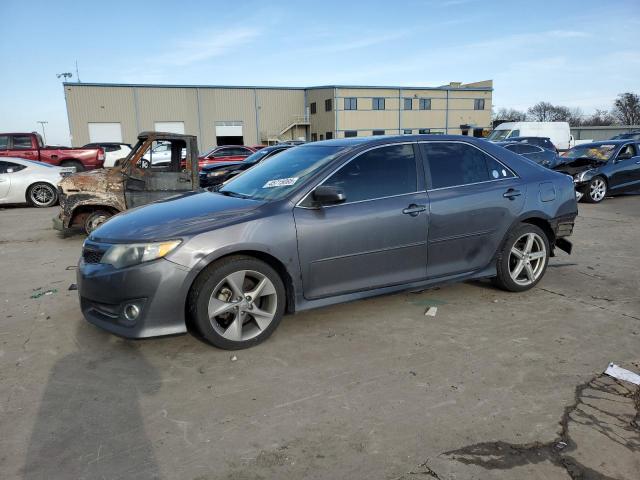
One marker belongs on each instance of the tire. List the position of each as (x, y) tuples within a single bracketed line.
[(73, 163), (42, 195), (95, 219), (236, 326), (510, 275), (596, 191)]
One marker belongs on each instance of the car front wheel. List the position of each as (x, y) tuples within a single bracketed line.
[(95, 219), (523, 259), (596, 190), (237, 302)]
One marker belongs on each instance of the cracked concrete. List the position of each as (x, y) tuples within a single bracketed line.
[(371, 389)]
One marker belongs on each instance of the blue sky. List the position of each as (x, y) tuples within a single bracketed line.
[(579, 53)]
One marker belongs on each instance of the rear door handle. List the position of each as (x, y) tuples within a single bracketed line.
[(511, 193), (414, 210)]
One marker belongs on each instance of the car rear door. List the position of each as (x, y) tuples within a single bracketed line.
[(21, 146), (377, 237), (473, 201)]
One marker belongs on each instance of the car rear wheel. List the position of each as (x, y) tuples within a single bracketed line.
[(95, 219), (523, 259), (73, 163), (596, 190), (237, 302), (42, 195)]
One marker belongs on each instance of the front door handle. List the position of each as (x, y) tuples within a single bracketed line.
[(511, 193), (414, 210)]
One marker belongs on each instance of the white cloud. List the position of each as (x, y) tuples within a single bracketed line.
[(205, 47)]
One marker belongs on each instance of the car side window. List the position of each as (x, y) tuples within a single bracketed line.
[(454, 164), (529, 149), (516, 148), (628, 151), (381, 172), (10, 167), (4, 142), (22, 142)]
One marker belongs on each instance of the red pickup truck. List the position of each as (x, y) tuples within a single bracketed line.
[(31, 147)]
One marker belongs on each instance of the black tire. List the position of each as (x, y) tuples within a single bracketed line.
[(42, 195), (210, 279), (593, 194), (73, 163), (95, 219), (505, 260)]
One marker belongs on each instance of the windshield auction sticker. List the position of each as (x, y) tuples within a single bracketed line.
[(280, 182)]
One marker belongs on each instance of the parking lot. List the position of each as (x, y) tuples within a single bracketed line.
[(496, 385)]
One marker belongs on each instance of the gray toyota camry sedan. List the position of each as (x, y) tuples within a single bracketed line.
[(323, 223)]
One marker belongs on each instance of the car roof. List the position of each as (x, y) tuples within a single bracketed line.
[(382, 139), (527, 137), (25, 162)]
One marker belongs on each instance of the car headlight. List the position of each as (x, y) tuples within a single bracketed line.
[(125, 255), (217, 173), (579, 177)]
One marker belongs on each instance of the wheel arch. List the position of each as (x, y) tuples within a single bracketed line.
[(82, 210), (267, 258)]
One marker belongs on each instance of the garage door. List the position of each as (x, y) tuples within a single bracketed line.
[(171, 127), (105, 132)]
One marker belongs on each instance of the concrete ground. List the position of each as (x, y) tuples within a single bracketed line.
[(496, 385)]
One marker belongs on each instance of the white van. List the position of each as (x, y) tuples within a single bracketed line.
[(558, 132)]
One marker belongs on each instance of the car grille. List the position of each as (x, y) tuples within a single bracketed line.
[(92, 256)]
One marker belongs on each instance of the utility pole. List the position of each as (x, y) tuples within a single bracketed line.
[(78, 73), (44, 134)]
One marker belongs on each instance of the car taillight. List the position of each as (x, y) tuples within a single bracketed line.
[(100, 155)]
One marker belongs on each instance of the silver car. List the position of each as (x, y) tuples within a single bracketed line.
[(28, 181)]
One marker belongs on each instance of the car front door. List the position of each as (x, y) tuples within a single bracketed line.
[(149, 182), (625, 169), (473, 201), (377, 236), (5, 180)]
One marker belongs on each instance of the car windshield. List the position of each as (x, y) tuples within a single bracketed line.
[(498, 135), (272, 180), (257, 156), (593, 152)]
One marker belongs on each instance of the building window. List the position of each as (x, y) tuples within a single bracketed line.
[(425, 104), (378, 132), (327, 105), (424, 131), (408, 104), (350, 133), (328, 135), (378, 103), (350, 103), (321, 137), (312, 107), (478, 104), (314, 137), (407, 131)]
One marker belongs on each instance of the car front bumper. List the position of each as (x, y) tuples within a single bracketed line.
[(158, 289)]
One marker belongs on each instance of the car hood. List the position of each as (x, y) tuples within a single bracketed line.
[(95, 181), (577, 165), (186, 215)]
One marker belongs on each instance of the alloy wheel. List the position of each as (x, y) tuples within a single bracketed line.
[(597, 189), (42, 195), (527, 259), (242, 305)]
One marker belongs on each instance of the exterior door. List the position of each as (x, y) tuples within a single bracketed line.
[(377, 237), (625, 169), (473, 201)]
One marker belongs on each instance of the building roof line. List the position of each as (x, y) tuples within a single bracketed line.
[(256, 87)]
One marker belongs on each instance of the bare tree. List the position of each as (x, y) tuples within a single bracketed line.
[(626, 108), (509, 115), (600, 118), (541, 112)]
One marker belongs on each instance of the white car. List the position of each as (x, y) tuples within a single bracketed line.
[(160, 154), (112, 151), (28, 181)]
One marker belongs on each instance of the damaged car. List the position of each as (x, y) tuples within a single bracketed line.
[(324, 223), (89, 199), (603, 168)]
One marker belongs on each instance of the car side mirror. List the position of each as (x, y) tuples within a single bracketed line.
[(326, 195)]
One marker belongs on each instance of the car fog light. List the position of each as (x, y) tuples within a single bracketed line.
[(131, 311)]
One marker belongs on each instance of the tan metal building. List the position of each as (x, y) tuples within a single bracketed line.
[(257, 115)]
